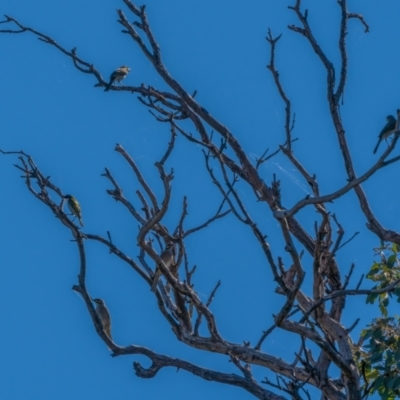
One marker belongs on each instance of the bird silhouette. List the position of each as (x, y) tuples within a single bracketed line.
[(386, 131), (168, 257), (74, 207), (104, 316), (117, 76)]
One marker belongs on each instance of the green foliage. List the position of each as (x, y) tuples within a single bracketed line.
[(379, 358)]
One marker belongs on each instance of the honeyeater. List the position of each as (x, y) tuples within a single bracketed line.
[(104, 316), (168, 257), (117, 76), (74, 207), (386, 131)]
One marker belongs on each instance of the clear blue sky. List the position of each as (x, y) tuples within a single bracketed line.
[(53, 112)]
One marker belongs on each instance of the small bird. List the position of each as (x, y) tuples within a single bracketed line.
[(74, 207), (386, 131), (104, 316), (117, 76), (168, 257)]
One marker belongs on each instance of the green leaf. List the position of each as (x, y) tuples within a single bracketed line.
[(376, 268), (385, 301), (391, 260), (376, 357), (371, 298), (383, 310), (390, 382), (389, 359), (396, 384), (378, 383), (372, 374), (377, 333)]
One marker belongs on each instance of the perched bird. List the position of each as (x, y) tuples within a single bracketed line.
[(104, 316), (386, 131), (168, 257), (117, 76), (74, 207)]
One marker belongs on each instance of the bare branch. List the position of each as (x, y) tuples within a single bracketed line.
[(160, 361)]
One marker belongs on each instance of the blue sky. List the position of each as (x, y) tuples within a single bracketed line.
[(54, 113)]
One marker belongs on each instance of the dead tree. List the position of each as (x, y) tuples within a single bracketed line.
[(313, 318)]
